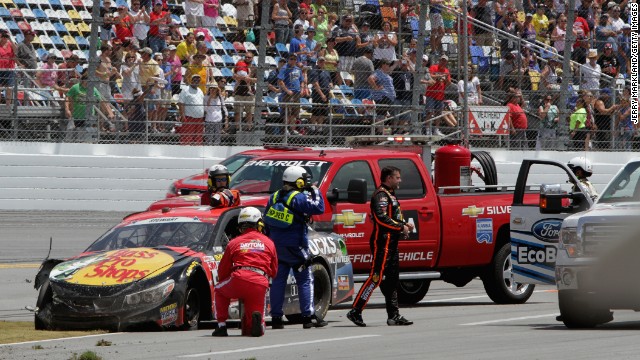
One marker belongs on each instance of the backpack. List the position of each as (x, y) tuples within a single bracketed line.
[(280, 214)]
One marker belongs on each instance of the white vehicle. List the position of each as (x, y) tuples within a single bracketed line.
[(589, 250)]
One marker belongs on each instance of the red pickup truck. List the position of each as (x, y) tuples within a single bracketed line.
[(461, 231)]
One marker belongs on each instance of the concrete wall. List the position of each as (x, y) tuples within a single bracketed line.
[(87, 177)]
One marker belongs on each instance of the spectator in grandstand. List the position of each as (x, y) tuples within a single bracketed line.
[(549, 115), (509, 24), (559, 33), (540, 22), (117, 53), (332, 23), (320, 79), (332, 60), (187, 48), (194, 10), (590, 73), (403, 83), (441, 78), (581, 25), (528, 31), (201, 49), (158, 27), (191, 110), (174, 37), (303, 19), (322, 26), (140, 19), (624, 49), (580, 50), (549, 75), (437, 26), (294, 7), (604, 33), (77, 127), (131, 47), (500, 10), (317, 7), (345, 37), (312, 46), (516, 120), (176, 69), (105, 71), (385, 43), (123, 23), (136, 114), (148, 68), (282, 19), (290, 81), (107, 21), (298, 46), (587, 10), (272, 79), (246, 12), (581, 122), (47, 75), (130, 72), (529, 58), (472, 91), (222, 84), (482, 12), (68, 78), (211, 14), (26, 55), (216, 116), (512, 68), (614, 19), (449, 15), (245, 76), (382, 90), (608, 62), (197, 67), (625, 127), (603, 109)]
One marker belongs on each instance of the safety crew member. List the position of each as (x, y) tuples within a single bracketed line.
[(388, 227), (582, 168), (218, 194), (249, 261), (287, 214)]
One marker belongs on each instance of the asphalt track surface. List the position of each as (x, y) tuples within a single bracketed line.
[(450, 323)]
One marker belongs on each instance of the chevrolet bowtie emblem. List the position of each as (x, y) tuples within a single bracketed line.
[(349, 219), (472, 211)]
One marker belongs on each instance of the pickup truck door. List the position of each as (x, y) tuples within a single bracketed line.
[(535, 235)]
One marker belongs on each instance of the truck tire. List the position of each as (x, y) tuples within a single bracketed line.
[(411, 292), (577, 313), (42, 320), (321, 293), (498, 280)]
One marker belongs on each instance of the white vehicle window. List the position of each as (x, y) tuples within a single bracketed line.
[(625, 187)]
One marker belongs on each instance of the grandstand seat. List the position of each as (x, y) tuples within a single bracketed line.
[(217, 33), (346, 90), (74, 15), (183, 31), (19, 38), (63, 15), (269, 60), (77, 3), (20, 3), (357, 105), (51, 14), (4, 12), (282, 49), (40, 14), (476, 53), (232, 24), (337, 107), (221, 24), (216, 72), (45, 40), (239, 46), (65, 53), (236, 58), (28, 14), (305, 104), (84, 28), (12, 26), (85, 15), (228, 47), (36, 26), (176, 19), (218, 48), (71, 28), (55, 3), (226, 72), (16, 13), (217, 60), (48, 27), (229, 10), (41, 52), (250, 47), (70, 41), (36, 42), (82, 42), (81, 54), (57, 53), (41, 3), (228, 60)]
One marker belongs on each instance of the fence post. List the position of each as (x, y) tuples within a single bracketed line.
[(14, 109), (465, 59), (612, 127)]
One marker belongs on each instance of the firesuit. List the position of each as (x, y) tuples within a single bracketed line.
[(221, 198), (292, 246), (249, 261), (388, 224)]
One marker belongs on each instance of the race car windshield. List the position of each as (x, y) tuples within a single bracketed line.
[(625, 187), (176, 232), (265, 176)]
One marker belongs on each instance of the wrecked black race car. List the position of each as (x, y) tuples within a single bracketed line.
[(158, 269)]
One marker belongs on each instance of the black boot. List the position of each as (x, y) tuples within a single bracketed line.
[(276, 323), (256, 324), (220, 331), (356, 317)]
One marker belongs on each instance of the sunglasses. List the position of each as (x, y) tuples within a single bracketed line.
[(220, 179)]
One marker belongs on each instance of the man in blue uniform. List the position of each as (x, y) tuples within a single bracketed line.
[(286, 216)]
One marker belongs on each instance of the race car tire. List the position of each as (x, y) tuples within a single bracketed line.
[(42, 318), (411, 292), (191, 309), (498, 280), (321, 293), (577, 313)]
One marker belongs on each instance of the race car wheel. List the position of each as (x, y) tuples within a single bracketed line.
[(498, 280), (578, 313), (42, 318), (321, 294), (191, 309), (410, 292)]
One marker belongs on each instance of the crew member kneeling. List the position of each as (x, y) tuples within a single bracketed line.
[(249, 261), (218, 194)]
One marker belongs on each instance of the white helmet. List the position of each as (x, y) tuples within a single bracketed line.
[(294, 173), (581, 162), (218, 170), (249, 215)]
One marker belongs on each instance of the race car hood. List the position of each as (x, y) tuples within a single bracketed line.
[(116, 267)]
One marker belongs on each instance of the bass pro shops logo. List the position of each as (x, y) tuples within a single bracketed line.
[(349, 219)]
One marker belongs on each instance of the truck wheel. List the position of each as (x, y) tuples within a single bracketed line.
[(321, 294), (498, 280), (579, 314), (191, 309), (43, 318), (410, 292)]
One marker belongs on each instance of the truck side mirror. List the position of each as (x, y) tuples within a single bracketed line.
[(553, 200), (357, 191)]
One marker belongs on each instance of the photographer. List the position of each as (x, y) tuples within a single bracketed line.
[(287, 215)]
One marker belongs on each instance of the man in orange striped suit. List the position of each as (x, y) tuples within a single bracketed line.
[(388, 227)]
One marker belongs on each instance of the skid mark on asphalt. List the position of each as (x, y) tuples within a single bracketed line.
[(60, 339), (277, 346), (510, 319)]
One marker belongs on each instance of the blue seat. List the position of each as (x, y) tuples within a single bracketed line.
[(41, 52), (476, 54), (338, 108), (228, 60), (217, 33), (60, 29), (19, 38), (226, 72), (55, 4), (282, 49), (40, 14), (228, 47), (12, 26), (176, 18), (20, 3), (346, 90), (82, 41), (57, 41), (4, 12)]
